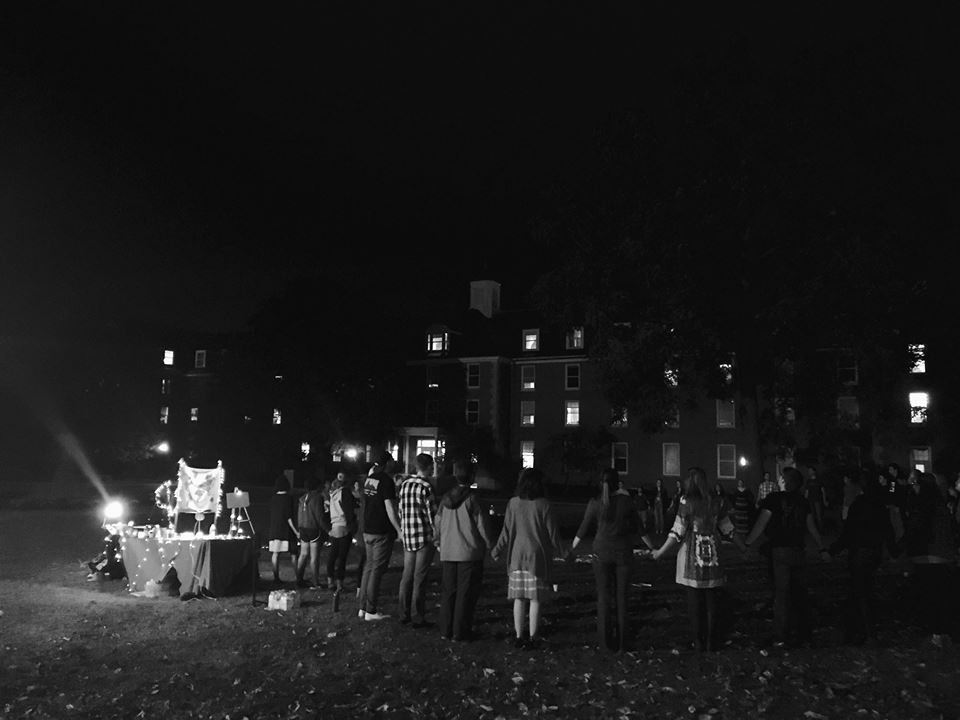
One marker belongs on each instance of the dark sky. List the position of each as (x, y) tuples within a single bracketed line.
[(170, 162)]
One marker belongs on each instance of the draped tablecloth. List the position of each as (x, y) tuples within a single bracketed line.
[(203, 565)]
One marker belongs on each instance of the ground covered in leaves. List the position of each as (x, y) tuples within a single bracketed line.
[(72, 648)]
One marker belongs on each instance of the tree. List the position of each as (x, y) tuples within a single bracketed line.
[(738, 217)]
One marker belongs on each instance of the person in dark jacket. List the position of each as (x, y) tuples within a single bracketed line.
[(463, 536), (616, 519), (866, 531)]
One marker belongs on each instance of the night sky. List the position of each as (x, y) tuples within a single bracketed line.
[(177, 164)]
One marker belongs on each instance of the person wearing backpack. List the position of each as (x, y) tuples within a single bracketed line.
[(786, 518), (343, 524)]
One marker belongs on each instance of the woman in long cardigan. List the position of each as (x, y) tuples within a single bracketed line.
[(530, 540)]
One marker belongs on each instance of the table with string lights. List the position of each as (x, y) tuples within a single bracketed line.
[(206, 565)]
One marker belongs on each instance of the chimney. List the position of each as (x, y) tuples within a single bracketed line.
[(485, 297)]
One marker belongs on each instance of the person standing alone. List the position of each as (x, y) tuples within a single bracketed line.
[(418, 506)]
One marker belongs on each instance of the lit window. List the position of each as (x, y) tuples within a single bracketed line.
[(575, 339), (573, 412), (168, 357), (437, 342), (165, 384), (431, 413), (164, 415), (573, 377), (671, 459), (847, 369), (278, 378), (194, 414), (621, 451), (919, 355), (726, 414), (431, 446), (918, 407), (618, 417), (277, 416), (726, 461), (528, 411), (848, 412), (473, 412), (528, 377), (473, 375), (531, 339), (920, 458), (247, 419), (200, 359), (526, 453)]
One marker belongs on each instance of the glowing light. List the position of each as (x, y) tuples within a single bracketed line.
[(162, 447), (351, 453), (113, 510), (743, 461)]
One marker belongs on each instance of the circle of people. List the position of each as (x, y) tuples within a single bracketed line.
[(883, 515)]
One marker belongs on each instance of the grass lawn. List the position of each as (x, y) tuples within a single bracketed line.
[(72, 648)]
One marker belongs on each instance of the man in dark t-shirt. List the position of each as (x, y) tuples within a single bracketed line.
[(786, 519), (380, 528)]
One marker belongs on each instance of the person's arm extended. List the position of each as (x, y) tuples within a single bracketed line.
[(758, 527), (665, 548), (392, 516)]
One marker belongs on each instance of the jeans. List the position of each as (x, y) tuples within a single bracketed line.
[(416, 563), (612, 572), (378, 549), (459, 591), (337, 557), (790, 611)]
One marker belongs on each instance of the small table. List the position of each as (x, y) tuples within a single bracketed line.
[(211, 566)]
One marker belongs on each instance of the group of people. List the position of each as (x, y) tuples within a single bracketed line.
[(430, 518)]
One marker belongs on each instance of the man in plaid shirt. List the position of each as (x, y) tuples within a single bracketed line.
[(418, 505), (766, 487)]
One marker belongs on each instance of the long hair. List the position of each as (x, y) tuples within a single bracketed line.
[(609, 484), (697, 492), (530, 484)]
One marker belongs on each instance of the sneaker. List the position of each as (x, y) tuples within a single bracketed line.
[(372, 617), (361, 614)]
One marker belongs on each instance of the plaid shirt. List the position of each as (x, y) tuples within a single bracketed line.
[(766, 487), (417, 508)]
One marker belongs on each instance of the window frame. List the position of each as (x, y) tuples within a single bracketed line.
[(525, 339), (533, 382), (473, 408), (615, 457), (528, 419), (527, 449), (571, 409), (199, 359), (919, 414), (720, 461), (574, 339), (473, 373), (566, 376), (723, 423)]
